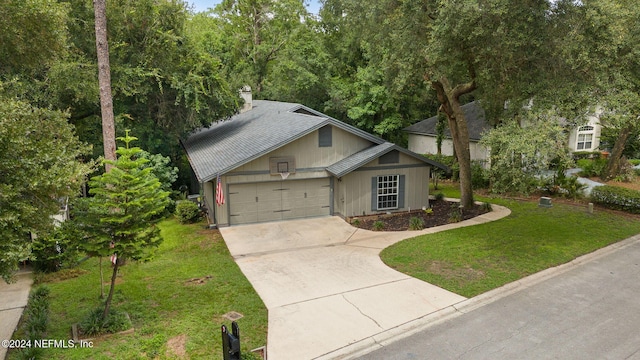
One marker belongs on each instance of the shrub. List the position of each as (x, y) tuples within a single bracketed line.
[(578, 155), (428, 211), (439, 196), (486, 207), (378, 226), (634, 162), (95, 324), (617, 198), (36, 317), (571, 187), (479, 175), (455, 215), (593, 167), (416, 223), (356, 222), (56, 251), (188, 212)]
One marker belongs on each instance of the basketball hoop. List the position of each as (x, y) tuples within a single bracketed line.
[(284, 175)]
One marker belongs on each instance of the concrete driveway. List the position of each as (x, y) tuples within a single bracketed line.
[(325, 286)]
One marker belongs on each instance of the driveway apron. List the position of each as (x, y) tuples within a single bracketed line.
[(325, 286)]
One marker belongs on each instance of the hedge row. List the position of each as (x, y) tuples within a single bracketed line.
[(617, 198)]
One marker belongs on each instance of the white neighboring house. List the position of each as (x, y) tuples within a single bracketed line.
[(422, 135)]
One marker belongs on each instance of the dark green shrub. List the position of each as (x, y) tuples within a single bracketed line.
[(57, 250), (571, 187), (416, 223), (95, 324), (617, 198), (479, 175), (188, 212), (439, 196), (486, 207), (578, 155), (36, 319)]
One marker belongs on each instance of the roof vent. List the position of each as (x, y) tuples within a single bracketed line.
[(304, 111)]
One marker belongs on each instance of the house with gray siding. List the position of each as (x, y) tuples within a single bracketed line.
[(278, 161)]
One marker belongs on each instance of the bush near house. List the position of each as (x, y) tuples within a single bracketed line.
[(617, 198), (188, 212)]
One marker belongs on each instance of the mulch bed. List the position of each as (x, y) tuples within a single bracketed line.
[(440, 215)]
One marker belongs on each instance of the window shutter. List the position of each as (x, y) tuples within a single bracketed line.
[(374, 193), (401, 192)]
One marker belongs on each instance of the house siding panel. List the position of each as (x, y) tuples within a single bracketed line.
[(354, 190)]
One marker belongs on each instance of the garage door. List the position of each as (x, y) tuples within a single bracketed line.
[(278, 200)]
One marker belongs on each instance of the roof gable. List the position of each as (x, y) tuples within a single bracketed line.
[(476, 123), (351, 163)]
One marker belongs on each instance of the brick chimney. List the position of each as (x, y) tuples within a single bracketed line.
[(245, 94)]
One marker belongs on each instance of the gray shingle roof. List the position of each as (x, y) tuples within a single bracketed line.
[(358, 159), (267, 126), (476, 123)]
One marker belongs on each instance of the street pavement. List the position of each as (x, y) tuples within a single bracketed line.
[(586, 309), (13, 300)]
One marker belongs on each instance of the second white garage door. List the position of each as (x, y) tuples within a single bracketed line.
[(278, 200)]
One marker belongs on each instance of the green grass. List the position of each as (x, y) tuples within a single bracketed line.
[(473, 260), (161, 301)]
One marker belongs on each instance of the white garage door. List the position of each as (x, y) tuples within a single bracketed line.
[(278, 200)]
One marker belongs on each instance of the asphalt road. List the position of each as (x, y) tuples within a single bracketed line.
[(589, 312)]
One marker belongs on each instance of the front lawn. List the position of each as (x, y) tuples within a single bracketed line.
[(476, 259), (176, 301)]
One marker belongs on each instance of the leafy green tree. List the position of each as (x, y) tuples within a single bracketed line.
[(599, 45), (255, 34), (520, 155), (33, 34), (40, 164), (491, 51), (127, 200)]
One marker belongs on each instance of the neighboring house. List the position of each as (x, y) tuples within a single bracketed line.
[(278, 161), (422, 135), (587, 136)]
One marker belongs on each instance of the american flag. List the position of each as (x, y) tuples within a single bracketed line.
[(219, 193)]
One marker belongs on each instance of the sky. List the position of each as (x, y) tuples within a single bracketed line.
[(203, 5)]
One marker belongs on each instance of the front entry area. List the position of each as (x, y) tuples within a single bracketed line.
[(279, 200)]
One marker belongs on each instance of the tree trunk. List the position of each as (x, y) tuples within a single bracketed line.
[(107, 304), (614, 163), (449, 99), (104, 80), (101, 281)]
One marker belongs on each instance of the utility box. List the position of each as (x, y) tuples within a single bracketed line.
[(545, 202)]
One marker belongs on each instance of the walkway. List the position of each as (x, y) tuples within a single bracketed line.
[(13, 300)]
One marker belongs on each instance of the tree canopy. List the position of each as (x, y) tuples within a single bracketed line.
[(39, 169)]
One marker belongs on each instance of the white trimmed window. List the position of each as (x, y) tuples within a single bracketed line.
[(585, 138), (388, 186)]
